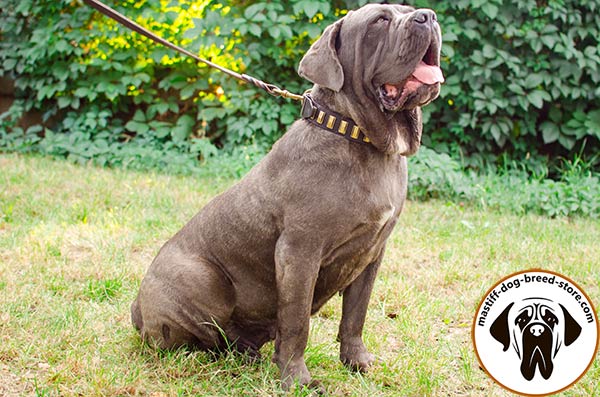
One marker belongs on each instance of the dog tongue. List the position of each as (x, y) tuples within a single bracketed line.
[(423, 74), (428, 74)]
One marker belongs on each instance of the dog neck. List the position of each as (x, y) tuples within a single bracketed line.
[(321, 116), (390, 136)]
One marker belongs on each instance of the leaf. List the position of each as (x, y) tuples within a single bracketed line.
[(549, 41), (449, 36), (194, 32), (488, 51), (180, 133), (254, 9), (139, 116), (285, 19), (143, 77), (275, 32), (255, 29), (489, 9), (211, 113), (517, 89), (533, 80), (81, 92), (162, 107), (550, 132), (242, 27), (567, 142), (63, 102), (269, 127), (62, 46), (286, 31), (580, 115), (314, 31), (137, 127), (185, 121), (161, 129), (311, 8), (183, 127), (259, 18), (298, 8), (287, 118), (496, 133), (43, 93), (536, 98), (594, 117), (187, 92), (477, 57)]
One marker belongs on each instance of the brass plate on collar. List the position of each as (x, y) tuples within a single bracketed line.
[(330, 122), (320, 117)]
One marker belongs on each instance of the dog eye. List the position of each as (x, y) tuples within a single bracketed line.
[(522, 318), (383, 19)]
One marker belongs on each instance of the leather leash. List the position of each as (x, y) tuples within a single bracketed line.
[(312, 112)]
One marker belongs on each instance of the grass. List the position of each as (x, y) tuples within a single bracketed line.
[(75, 242)]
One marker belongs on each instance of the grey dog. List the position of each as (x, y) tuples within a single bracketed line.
[(312, 218)]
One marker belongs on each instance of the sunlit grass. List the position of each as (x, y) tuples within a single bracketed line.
[(76, 241)]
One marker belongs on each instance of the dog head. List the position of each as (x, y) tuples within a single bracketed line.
[(537, 329), (382, 62)]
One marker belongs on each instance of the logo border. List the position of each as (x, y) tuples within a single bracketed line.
[(516, 274)]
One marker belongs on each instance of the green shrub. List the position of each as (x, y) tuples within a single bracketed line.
[(523, 77), (513, 188), (112, 97), (106, 94)]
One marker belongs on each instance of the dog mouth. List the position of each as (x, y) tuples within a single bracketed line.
[(408, 93)]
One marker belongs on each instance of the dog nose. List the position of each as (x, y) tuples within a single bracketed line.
[(424, 16), (536, 330)]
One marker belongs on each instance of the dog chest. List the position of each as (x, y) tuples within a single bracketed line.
[(352, 253)]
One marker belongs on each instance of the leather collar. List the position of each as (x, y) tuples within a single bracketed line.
[(331, 121)]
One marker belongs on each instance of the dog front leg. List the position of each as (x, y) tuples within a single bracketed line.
[(353, 352), (296, 272)]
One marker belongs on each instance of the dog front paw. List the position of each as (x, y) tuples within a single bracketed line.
[(295, 374), (356, 356)]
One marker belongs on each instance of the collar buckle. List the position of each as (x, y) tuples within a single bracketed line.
[(309, 109)]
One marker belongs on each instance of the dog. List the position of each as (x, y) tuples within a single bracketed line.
[(312, 218), (537, 327)]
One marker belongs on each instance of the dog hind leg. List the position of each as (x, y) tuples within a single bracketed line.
[(183, 301)]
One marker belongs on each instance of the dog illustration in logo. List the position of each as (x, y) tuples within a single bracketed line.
[(537, 327)]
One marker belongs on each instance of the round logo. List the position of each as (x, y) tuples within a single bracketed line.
[(535, 332)]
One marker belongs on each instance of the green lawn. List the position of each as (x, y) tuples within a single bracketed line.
[(75, 242)]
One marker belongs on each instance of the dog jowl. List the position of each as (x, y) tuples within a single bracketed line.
[(536, 328)]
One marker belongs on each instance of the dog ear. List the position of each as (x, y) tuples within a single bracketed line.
[(572, 327), (499, 328), (321, 64)]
